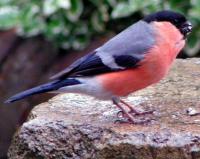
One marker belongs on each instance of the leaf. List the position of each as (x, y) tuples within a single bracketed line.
[(53, 28), (75, 10), (96, 3), (80, 28), (80, 42), (195, 3), (49, 7), (103, 9), (66, 4), (112, 3), (97, 22), (31, 24), (35, 27), (8, 17), (4, 2), (122, 10)]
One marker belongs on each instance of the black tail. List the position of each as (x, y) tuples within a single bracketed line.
[(51, 86)]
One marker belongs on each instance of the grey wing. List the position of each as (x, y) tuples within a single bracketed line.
[(125, 50)]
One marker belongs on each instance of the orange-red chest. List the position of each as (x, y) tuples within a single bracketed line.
[(152, 69)]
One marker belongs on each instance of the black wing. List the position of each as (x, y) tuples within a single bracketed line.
[(88, 65), (92, 64)]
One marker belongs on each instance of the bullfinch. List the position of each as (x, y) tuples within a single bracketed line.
[(137, 57)]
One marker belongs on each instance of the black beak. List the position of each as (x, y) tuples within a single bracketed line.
[(186, 28), (189, 26)]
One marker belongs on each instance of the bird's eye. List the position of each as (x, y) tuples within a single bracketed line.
[(175, 20)]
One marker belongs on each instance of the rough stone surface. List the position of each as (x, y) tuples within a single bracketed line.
[(80, 127)]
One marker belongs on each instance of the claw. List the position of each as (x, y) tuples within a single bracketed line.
[(120, 114), (130, 121), (142, 113), (122, 121)]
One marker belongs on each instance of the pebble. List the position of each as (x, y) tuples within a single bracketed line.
[(192, 112)]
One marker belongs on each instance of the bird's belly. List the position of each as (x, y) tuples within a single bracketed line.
[(125, 82), (88, 86)]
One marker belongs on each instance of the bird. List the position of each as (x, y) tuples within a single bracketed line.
[(134, 59)]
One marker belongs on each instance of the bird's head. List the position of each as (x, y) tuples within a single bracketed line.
[(177, 19)]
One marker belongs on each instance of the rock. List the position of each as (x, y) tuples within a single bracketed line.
[(77, 126)]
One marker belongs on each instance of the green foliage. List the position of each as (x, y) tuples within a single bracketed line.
[(72, 23)]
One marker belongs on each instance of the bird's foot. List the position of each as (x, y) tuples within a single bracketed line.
[(129, 117), (128, 114), (133, 111), (134, 121)]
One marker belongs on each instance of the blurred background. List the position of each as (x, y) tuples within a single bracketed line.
[(39, 38)]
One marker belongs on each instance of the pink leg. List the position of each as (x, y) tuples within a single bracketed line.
[(134, 111), (128, 115)]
